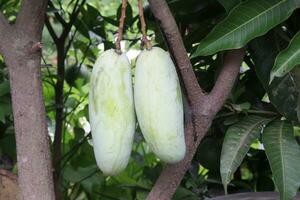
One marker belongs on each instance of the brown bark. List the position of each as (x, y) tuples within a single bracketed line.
[(5, 30), (24, 64), (34, 162), (203, 107), (164, 17), (121, 26), (59, 121)]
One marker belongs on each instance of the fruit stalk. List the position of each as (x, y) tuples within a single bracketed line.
[(121, 27), (145, 40)]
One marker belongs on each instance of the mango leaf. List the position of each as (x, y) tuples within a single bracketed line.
[(183, 193), (4, 88), (283, 92), (229, 4), (284, 157), (236, 144), (5, 108), (246, 21), (287, 59), (195, 11), (91, 21)]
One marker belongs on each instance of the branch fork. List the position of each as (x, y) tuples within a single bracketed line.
[(203, 107)]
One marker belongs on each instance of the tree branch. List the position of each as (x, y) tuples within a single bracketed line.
[(73, 17), (202, 108), (172, 175), (30, 19), (164, 16), (23, 58), (198, 123), (51, 30), (57, 15), (227, 76), (59, 113), (59, 94)]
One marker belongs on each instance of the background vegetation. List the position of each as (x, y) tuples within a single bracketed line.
[(253, 143)]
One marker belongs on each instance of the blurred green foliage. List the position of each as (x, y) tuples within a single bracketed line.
[(92, 32)]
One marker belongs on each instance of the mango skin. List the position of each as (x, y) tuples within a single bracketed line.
[(111, 112), (158, 104)]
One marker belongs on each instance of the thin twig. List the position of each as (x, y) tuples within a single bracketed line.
[(121, 27), (145, 40), (258, 112), (48, 70), (67, 156), (70, 41), (57, 15), (75, 107), (78, 70), (73, 17), (51, 30)]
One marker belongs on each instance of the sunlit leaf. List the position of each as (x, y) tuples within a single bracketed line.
[(287, 59), (246, 21)]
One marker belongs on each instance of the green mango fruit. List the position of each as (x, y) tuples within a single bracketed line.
[(111, 111), (159, 106)]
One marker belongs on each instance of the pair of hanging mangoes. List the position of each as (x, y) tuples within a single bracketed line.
[(156, 101)]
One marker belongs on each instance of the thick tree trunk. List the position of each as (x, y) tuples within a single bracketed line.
[(20, 45), (33, 154)]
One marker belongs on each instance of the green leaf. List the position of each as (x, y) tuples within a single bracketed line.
[(8, 146), (195, 11), (91, 21), (283, 92), (287, 59), (4, 88), (236, 144), (284, 157), (79, 174), (5, 108), (183, 193), (248, 20), (229, 4)]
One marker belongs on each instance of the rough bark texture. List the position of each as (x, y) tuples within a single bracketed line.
[(164, 17), (202, 107), (24, 64)]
